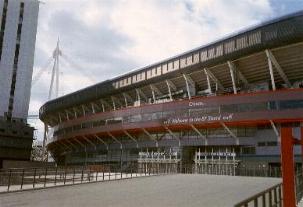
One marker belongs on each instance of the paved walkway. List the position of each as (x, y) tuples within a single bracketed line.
[(170, 190)]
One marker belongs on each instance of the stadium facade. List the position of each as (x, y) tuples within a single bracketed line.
[(18, 24), (219, 104)]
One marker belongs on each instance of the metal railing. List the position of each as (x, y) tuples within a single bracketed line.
[(269, 171), (268, 198), (299, 184), (230, 169), (34, 178)]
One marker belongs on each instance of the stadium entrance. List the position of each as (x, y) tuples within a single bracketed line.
[(160, 160), (221, 162)]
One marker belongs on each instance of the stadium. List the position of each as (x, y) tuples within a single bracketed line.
[(219, 106)]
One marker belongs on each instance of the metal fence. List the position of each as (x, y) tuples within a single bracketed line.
[(32, 178), (270, 197), (299, 184), (230, 169)]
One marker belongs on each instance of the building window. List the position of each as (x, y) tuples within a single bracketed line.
[(3, 23), (273, 143), (248, 150), (261, 144), (16, 58)]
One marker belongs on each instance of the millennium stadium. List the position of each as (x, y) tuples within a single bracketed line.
[(221, 104)]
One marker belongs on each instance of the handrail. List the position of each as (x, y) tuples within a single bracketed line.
[(37, 178), (277, 197)]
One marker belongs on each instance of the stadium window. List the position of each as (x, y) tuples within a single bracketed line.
[(204, 55), (189, 59), (248, 150), (273, 143), (261, 144), (183, 62), (143, 76), (211, 53), (219, 50), (159, 68), (170, 66), (176, 64), (196, 58)]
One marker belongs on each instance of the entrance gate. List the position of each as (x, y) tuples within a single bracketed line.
[(158, 161), (218, 163)]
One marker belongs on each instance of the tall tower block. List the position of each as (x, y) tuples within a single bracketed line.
[(18, 28)]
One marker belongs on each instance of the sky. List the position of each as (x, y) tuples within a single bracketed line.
[(101, 39)]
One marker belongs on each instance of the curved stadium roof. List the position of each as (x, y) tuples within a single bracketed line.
[(287, 30)]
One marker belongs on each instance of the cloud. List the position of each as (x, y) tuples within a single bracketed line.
[(164, 28), (103, 39)]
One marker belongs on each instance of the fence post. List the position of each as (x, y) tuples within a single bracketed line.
[(56, 175), (45, 177), (256, 202), (263, 200), (89, 172), (103, 173), (82, 174), (9, 179), (270, 198), (115, 172), (22, 179), (109, 172), (64, 179), (149, 167), (74, 172), (275, 197), (97, 175), (121, 171), (34, 181)]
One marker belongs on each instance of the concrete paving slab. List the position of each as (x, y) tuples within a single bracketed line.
[(169, 190)]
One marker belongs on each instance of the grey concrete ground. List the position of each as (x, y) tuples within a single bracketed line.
[(170, 190)]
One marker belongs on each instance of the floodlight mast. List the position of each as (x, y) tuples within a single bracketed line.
[(55, 77), (55, 73)]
